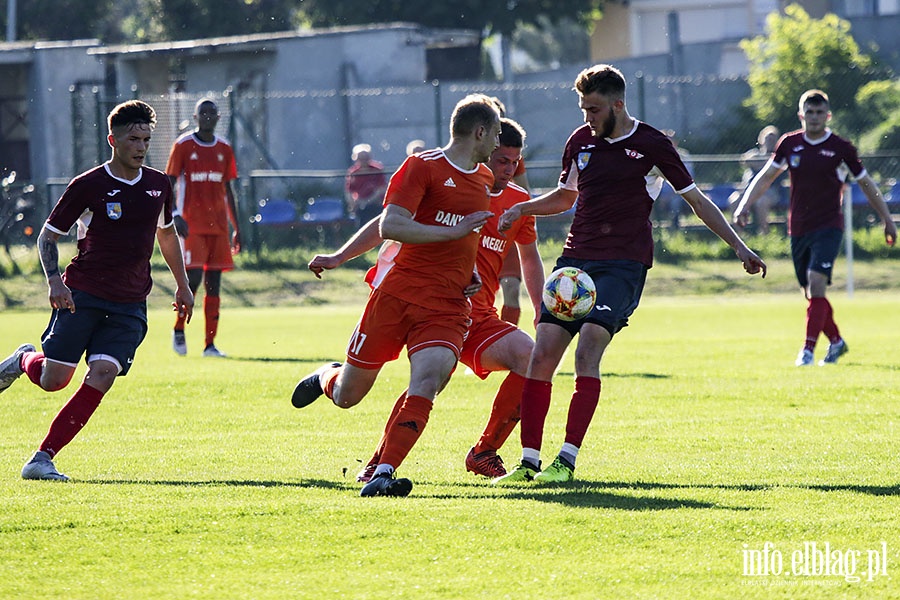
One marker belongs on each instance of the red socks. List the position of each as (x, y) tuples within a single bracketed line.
[(830, 328), (405, 430), (581, 409), (504, 414), (816, 317), (535, 405), (71, 418), (376, 457), (33, 366), (211, 312)]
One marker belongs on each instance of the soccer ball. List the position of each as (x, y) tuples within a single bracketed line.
[(569, 294)]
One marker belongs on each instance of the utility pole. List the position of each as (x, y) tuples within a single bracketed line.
[(10, 20)]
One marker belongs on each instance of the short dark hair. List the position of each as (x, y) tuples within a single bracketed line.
[(472, 112), (814, 97), (511, 134), (130, 113), (605, 80)]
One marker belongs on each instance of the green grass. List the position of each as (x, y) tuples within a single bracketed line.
[(197, 479)]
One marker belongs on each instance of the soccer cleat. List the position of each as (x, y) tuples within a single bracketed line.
[(805, 358), (523, 473), (835, 351), (386, 485), (487, 463), (214, 352), (41, 467), (179, 343), (310, 388), (365, 476), (11, 368), (559, 471)]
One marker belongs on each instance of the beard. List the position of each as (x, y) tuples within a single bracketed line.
[(608, 125)]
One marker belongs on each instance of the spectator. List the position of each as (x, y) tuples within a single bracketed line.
[(365, 184), (753, 161)]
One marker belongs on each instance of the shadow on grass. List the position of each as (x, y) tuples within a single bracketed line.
[(279, 359), (622, 375), (250, 483), (874, 490)]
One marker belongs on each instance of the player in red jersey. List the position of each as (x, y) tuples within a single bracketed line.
[(818, 161), (611, 171), (492, 344), (99, 303), (205, 164), (434, 205)]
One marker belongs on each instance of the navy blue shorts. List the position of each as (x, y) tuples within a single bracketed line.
[(619, 283), (98, 329), (815, 251)]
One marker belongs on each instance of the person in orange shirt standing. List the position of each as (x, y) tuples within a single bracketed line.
[(206, 165), (435, 204)]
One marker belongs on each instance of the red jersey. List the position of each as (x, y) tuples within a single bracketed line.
[(494, 247), (364, 180), (436, 192), (617, 181), (205, 169), (818, 170), (117, 222)]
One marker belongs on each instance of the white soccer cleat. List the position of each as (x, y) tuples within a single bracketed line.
[(179, 343), (41, 467), (805, 358), (214, 352), (10, 368)]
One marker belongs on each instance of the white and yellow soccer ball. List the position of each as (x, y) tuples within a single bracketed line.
[(569, 293)]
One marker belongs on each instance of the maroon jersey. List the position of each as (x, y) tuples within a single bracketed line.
[(117, 222), (818, 170), (617, 181)]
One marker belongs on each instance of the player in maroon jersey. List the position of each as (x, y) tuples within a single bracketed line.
[(818, 161), (100, 301), (612, 172)]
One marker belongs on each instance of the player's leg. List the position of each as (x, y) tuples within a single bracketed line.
[(212, 284), (195, 253), (550, 344), (511, 352)]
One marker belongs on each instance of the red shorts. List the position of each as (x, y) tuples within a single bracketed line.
[(511, 266), (208, 252), (389, 323), (484, 331)]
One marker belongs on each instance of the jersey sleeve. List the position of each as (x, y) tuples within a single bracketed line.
[(231, 172), (672, 167), (407, 186), (851, 159), (175, 164), (166, 218), (68, 209), (527, 232), (779, 156)]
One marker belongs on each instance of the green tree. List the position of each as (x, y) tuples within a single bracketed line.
[(499, 16), (879, 104), (59, 19), (800, 53)]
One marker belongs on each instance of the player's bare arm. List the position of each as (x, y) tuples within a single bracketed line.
[(474, 286), (532, 273), (757, 187), (552, 203), (713, 218), (59, 294), (362, 241), (233, 217), (171, 252), (876, 201), (398, 224)]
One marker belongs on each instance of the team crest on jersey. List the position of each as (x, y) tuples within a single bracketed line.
[(828, 153), (633, 154), (583, 158), (154, 193), (795, 161), (114, 210)]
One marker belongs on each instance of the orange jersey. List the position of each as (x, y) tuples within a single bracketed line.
[(494, 246), (436, 192), (205, 169)]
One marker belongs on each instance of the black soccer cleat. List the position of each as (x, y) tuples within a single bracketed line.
[(309, 388), (386, 485)]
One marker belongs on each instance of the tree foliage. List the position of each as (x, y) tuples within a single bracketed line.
[(497, 16), (800, 53)]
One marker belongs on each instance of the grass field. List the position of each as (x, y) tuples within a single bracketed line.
[(710, 453)]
